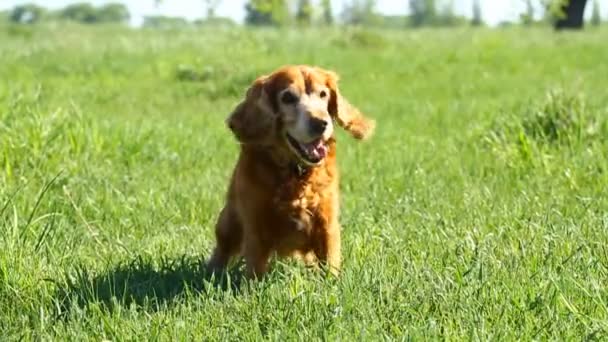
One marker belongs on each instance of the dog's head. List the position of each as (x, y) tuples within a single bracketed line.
[(296, 107)]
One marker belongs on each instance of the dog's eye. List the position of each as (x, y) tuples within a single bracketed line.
[(289, 98), (323, 94)]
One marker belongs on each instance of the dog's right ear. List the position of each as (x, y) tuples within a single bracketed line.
[(253, 120)]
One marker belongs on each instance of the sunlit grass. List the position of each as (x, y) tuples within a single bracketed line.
[(478, 210)]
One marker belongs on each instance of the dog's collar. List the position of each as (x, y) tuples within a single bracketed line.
[(299, 170)]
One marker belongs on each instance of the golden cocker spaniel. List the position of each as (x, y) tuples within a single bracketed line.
[(283, 195)]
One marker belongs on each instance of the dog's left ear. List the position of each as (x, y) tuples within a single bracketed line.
[(347, 115)]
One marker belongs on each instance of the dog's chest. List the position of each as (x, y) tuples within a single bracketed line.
[(299, 206)]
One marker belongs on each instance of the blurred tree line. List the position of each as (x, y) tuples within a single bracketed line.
[(354, 12), (82, 12), (422, 13)]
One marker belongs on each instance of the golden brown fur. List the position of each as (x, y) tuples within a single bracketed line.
[(277, 201)]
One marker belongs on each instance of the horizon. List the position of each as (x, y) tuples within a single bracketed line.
[(493, 12)]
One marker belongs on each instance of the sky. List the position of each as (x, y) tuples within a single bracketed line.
[(494, 11)]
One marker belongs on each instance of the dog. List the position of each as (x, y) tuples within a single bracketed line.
[(283, 196)]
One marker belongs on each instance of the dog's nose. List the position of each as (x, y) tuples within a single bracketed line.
[(317, 126)]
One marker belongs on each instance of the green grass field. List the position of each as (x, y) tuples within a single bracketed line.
[(479, 210)]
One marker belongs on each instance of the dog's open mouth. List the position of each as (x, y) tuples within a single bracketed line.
[(311, 153)]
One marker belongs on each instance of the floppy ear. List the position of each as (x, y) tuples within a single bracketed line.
[(347, 115), (253, 121)]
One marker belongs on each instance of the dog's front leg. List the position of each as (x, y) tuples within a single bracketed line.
[(256, 255), (328, 247)]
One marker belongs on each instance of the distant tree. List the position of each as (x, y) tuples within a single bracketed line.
[(86, 13), (527, 18), (83, 12), (112, 13), (215, 22), (27, 14), (551, 12), (211, 6), (391, 21), (446, 15), (422, 12), (596, 17), (360, 12), (477, 16), (163, 22), (266, 12), (435, 13), (304, 12), (573, 12), (258, 14), (328, 16)]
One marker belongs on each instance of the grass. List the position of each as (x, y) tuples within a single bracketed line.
[(478, 211)]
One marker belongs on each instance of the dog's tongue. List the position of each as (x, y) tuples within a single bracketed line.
[(316, 149)]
